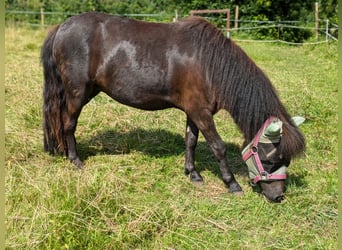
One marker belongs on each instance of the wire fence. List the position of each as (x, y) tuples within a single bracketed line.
[(242, 30), (326, 31)]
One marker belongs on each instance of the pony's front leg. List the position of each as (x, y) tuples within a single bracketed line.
[(191, 137), (205, 122)]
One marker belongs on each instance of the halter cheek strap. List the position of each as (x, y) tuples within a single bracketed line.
[(253, 151)]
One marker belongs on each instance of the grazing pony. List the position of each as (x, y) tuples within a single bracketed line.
[(189, 65)]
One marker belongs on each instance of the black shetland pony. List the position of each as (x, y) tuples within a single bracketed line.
[(188, 65)]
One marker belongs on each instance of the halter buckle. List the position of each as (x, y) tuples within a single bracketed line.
[(264, 176)]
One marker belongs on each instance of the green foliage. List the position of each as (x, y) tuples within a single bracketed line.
[(328, 10), (164, 10), (301, 11), (133, 194), (257, 10)]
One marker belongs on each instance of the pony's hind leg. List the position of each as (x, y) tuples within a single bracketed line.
[(70, 117), (191, 137), (80, 95)]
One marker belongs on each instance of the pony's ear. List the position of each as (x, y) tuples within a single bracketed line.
[(297, 120), (274, 129)]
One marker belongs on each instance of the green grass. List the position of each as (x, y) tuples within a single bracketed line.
[(133, 194)]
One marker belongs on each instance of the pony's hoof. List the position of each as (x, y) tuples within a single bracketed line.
[(196, 178), (197, 183), (235, 189), (238, 193), (78, 163)]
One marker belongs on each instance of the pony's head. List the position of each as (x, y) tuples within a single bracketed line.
[(267, 160)]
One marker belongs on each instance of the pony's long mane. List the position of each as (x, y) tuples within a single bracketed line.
[(240, 86)]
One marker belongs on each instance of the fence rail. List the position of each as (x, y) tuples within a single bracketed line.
[(328, 30)]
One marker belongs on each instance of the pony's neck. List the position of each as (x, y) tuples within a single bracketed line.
[(237, 83), (248, 94)]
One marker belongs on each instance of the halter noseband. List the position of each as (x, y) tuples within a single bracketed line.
[(251, 157)]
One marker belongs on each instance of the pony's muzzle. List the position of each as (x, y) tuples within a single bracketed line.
[(273, 190), (276, 199)]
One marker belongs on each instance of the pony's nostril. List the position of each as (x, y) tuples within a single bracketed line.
[(279, 198)]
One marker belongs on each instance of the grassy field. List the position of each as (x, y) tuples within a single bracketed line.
[(133, 194)]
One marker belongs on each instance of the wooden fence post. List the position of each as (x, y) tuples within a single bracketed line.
[(316, 20), (175, 19), (236, 25), (42, 18), (327, 30), (228, 23)]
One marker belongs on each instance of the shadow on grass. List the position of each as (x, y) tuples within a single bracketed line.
[(162, 143), (157, 143)]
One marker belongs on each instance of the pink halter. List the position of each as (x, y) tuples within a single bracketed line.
[(253, 151)]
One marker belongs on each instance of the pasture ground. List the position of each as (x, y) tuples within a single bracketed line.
[(133, 194)]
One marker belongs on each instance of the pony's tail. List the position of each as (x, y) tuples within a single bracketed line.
[(53, 100)]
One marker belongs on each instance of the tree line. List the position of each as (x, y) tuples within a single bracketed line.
[(250, 9), (265, 10)]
